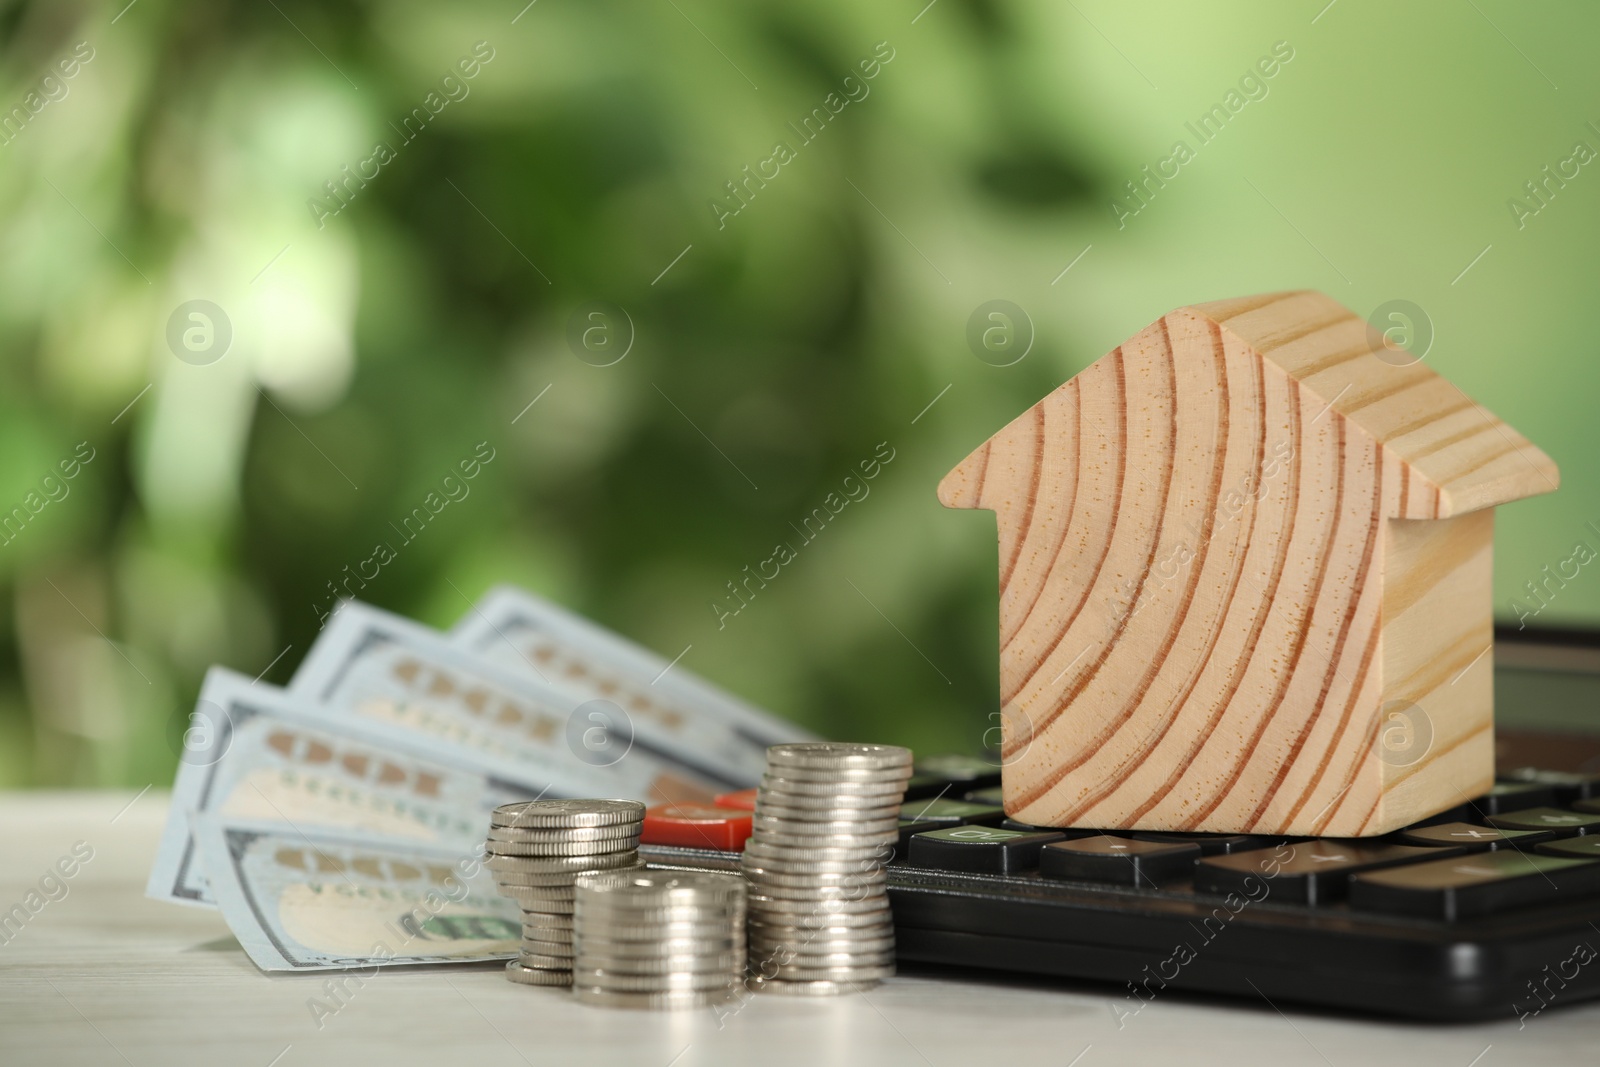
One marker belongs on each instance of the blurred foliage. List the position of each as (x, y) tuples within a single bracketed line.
[(773, 349)]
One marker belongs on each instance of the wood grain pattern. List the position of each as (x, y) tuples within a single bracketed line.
[(1243, 559)]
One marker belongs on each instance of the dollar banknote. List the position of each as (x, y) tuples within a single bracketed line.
[(530, 635), (378, 666), (253, 752), (301, 900)]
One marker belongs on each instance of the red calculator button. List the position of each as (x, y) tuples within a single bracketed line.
[(696, 826), (744, 799)]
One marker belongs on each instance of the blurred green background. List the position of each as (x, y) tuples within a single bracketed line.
[(587, 160)]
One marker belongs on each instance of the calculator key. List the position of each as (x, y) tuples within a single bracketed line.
[(1506, 797), (1586, 847), (1568, 786), (1117, 860), (1557, 820), (1475, 884), (992, 795), (979, 849), (1302, 872), (909, 827), (1592, 806), (743, 799), (696, 826), (947, 812), (1472, 836), (1209, 844)]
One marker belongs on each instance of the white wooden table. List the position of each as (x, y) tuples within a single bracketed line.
[(104, 977)]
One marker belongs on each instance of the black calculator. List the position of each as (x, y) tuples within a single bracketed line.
[(1485, 911)]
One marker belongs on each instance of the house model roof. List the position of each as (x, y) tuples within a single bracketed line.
[(1459, 456)]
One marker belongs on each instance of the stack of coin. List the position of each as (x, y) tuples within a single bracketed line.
[(827, 820), (537, 849), (658, 939)]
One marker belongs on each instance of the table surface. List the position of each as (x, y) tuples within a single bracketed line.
[(104, 976)]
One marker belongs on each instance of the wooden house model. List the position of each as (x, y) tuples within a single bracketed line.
[(1245, 568)]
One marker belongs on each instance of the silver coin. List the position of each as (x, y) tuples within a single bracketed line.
[(537, 880), (830, 868), (534, 920), (822, 988), (765, 933), (712, 903), (547, 963), (765, 959), (660, 887), (656, 983), (791, 818), (785, 956), (767, 861), (840, 860), (821, 795), (537, 835), (517, 880), (656, 917), (604, 861), (834, 845), (704, 931), (811, 942), (776, 933), (799, 794), (844, 776), (726, 964), (819, 821), (613, 948), (523, 975), (823, 822), (765, 876), (819, 922), (547, 947), (822, 833), (552, 908), (531, 897), (814, 900), (561, 848), (817, 900), (876, 972), (809, 848), (545, 936), (857, 780), (826, 835), (780, 778), (609, 998), (828, 754), (547, 814), (784, 790)]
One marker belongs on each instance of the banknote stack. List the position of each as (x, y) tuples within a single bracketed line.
[(538, 850), (658, 939), (340, 821), (827, 819)]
